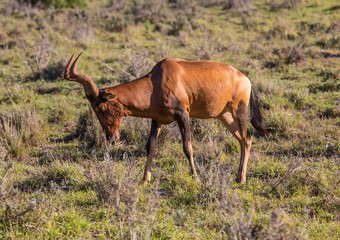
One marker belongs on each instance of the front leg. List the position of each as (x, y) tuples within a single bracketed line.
[(183, 121), (150, 147)]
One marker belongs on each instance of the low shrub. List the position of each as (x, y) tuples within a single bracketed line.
[(37, 56), (207, 45), (134, 63), (117, 187)]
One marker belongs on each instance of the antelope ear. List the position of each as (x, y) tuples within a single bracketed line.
[(110, 96)]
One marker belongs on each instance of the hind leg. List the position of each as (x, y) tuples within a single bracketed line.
[(236, 123), (183, 121)]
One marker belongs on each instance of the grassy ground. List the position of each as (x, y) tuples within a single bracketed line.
[(53, 180)]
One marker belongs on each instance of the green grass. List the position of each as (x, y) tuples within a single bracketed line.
[(53, 180)]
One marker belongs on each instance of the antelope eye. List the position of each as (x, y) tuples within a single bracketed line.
[(102, 107)]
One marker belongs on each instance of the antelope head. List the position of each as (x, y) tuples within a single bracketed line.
[(104, 103)]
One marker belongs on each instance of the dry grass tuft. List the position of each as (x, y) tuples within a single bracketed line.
[(20, 130)]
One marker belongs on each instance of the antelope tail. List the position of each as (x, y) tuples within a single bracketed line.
[(255, 113)]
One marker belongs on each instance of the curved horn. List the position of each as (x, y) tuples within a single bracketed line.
[(85, 80), (67, 69), (74, 65)]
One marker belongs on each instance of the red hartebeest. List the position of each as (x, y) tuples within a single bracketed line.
[(176, 90)]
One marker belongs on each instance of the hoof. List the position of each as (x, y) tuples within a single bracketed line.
[(145, 183), (146, 178), (242, 180), (196, 179)]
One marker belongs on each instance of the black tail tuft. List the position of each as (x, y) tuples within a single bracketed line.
[(255, 113)]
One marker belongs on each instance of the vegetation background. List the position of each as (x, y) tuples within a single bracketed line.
[(54, 182)]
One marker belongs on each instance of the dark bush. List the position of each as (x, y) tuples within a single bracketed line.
[(152, 10), (178, 25), (296, 99), (329, 113), (53, 71), (117, 5), (325, 87), (333, 42), (294, 53), (56, 3), (116, 23), (240, 5), (209, 3), (312, 28), (278, 4), (328, 75), (271, 64), (277, 31), (190, 7)]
